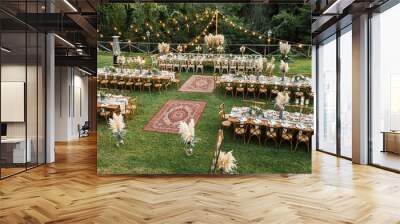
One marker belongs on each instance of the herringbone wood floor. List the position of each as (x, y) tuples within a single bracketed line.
[(69, 191)]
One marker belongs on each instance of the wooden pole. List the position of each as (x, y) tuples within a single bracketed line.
[(216, 23)]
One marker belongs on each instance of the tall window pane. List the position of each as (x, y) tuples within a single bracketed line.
[(385, 84), (327, 95), (346, 92)]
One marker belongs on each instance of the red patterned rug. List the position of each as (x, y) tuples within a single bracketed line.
[(198, 83), (174, 111)]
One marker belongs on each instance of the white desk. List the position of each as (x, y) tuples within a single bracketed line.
[(18, 144)]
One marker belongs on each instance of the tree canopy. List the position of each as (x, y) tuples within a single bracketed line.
[(184, 22)]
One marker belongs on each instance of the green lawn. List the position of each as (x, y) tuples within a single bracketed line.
[(158, 153)]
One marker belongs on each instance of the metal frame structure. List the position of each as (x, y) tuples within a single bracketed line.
[(44, 74)]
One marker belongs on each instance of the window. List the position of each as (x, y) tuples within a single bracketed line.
[(346, 92), (385, 88), (327, 95)]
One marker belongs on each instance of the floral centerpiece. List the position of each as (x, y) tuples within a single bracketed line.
[(117, 126), (226, 162), (186, 130), (280, 102), (256, 111), (163, 48), (242, 49), (284, 67)]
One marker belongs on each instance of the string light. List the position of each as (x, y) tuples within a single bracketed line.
[(260, 35)]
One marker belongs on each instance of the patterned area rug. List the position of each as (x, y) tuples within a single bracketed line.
[(198, 83), (174, 111)]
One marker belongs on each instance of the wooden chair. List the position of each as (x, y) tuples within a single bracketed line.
[(121, 83), (262, 90), (157, 84), (251, 89), (254, 131), (131, 108), (177, 80), (217, 81), (274, 92), (303, 137), (104, 83), (298, 94), (225, 123), (129, 83), (114, 82), (240, 129), (148, 84), (239, 89), (287, 135), (138, 84), (104, 114), (166, 83), (228, 89), (271, 133)]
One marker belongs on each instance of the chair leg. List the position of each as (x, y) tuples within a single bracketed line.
[(248, 140), (295, 148)]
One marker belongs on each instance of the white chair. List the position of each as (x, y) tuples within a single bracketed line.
[(232, 66), (217, 66), (190, 65), (199, 66), (225, 66)]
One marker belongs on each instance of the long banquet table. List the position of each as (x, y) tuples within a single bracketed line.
[(136, 73), (266, 80), (113, 102), (270, 118)]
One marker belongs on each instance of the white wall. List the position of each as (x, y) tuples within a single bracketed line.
[(71, 102)]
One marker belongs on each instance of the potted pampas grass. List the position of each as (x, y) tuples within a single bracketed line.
[(226, 162), (186, 130), (163, 48), (121, 60), (214, 41), (280, 102), (117, 127), (271, 66), (242, 49), (284, 48), (284, 67)]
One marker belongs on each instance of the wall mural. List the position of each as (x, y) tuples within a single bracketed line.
[(204, 89)]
